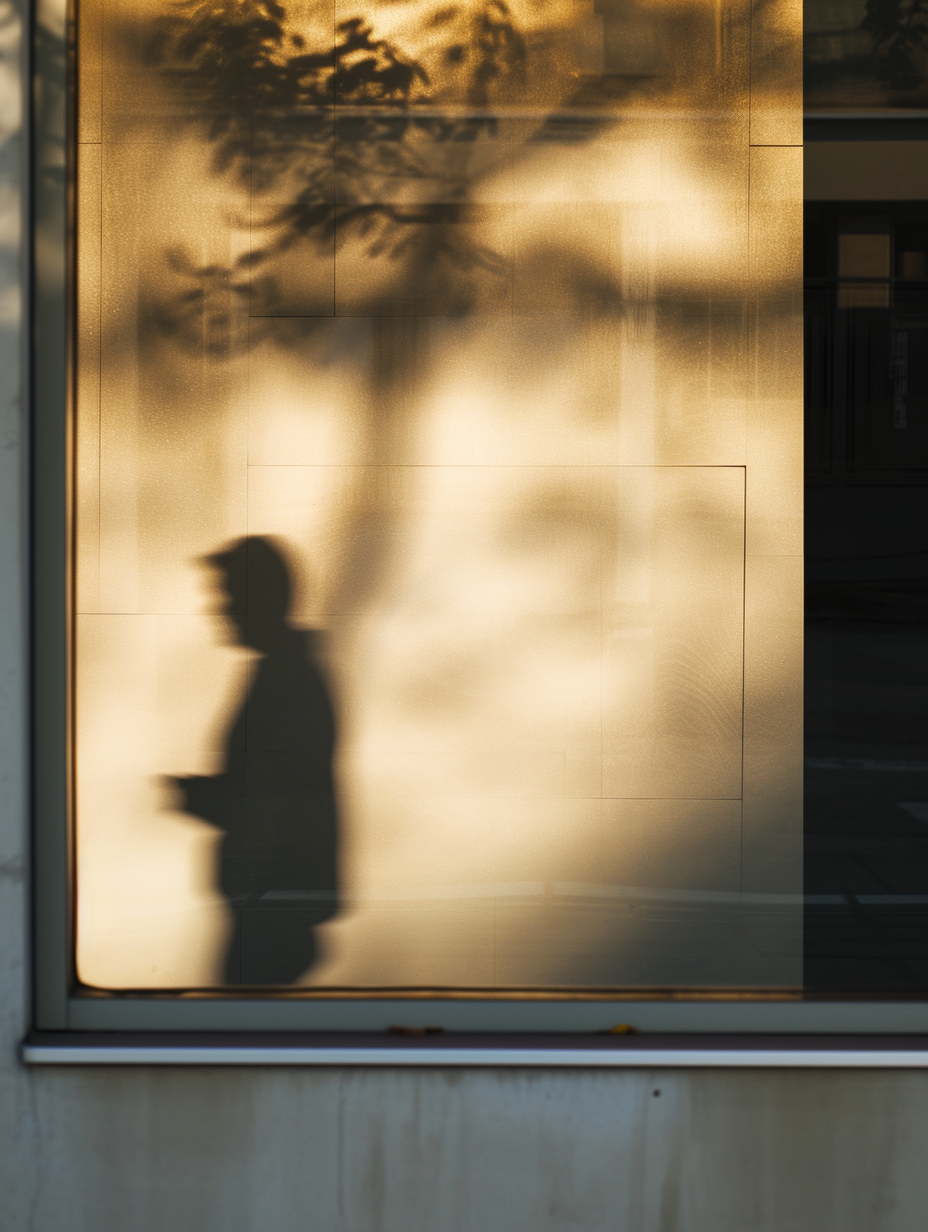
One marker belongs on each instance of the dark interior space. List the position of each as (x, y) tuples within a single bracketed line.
[(866, 673)]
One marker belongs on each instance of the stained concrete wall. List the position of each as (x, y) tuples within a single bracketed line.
[(239, 1151), (273, 1151)]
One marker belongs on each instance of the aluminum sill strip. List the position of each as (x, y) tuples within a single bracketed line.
[(480, 1051)]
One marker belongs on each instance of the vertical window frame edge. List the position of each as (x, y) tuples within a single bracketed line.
[(50, 179)]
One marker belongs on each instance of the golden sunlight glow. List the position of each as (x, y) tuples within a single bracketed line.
[(473, 332)]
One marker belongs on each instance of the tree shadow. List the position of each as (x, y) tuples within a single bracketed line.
[(328, 143)]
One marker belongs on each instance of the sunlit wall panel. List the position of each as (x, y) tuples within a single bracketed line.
[(438, 495)]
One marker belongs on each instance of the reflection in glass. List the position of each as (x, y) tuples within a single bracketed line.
[(866, 866), (865, 55), (487, 312)]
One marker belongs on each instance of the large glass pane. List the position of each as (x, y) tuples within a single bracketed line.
[(438, 583), (866, 596)]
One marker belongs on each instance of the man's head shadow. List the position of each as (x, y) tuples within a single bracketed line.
[(255, 583)]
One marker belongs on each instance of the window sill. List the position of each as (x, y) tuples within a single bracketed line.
[(481, 1051)]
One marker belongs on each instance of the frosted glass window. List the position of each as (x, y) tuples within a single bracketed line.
[(437, 610)]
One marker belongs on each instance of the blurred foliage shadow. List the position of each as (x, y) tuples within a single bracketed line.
[(329, 143)]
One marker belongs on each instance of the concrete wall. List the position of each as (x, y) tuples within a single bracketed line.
[(430, 1151), (242, 1151)]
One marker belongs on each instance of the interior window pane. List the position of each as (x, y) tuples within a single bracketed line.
[(866, 816)]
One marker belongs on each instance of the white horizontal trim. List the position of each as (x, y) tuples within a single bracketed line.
[(538, 1058)]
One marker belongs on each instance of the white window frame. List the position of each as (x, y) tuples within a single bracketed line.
[(570, 1017)]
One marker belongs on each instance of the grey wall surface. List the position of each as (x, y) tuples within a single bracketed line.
[(429, 1151), (239, 1151)]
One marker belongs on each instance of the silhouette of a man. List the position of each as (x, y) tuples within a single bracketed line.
[(275, 799)]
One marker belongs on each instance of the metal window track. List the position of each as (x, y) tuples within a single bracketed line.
[(481, 1051)]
